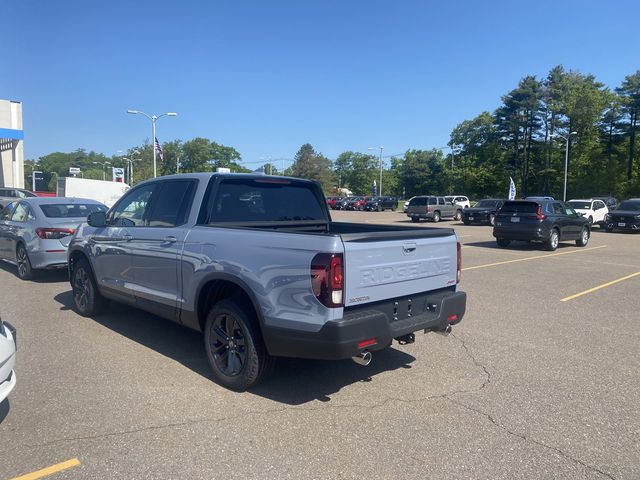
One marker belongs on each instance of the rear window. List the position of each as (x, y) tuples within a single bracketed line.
[(71, 210), (248, 200), (629, 205), (519, 207), (580, 205), (418, 201)]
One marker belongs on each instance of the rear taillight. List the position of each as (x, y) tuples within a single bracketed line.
[(327, 279), (54, 233), (459, 262), (539, 215)]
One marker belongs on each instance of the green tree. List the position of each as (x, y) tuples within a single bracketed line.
[(629, 91), (312, 165), (356, 171)]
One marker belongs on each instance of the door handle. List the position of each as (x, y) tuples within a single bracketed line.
[(170, 239), (127, 237)]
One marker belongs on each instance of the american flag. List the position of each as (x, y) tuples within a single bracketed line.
[(159, 149)]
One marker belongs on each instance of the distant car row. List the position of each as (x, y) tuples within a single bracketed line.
[(370, 204)]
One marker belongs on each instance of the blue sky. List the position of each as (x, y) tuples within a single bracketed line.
[(267, 76)]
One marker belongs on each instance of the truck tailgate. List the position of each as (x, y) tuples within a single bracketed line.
[(381, 269)]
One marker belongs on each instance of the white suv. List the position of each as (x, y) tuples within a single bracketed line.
[(591, 209), (459, 200), (7, 359)]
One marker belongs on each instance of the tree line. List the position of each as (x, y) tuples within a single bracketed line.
[(525, 138)]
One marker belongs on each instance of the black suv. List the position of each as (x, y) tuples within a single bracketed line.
[(380, 204), (625, 217), (544, 221), (482, 212)]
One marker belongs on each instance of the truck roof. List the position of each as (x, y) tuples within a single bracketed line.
[(208, 175)]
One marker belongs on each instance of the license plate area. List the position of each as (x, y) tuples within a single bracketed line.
[(515, 219), (622, 224)]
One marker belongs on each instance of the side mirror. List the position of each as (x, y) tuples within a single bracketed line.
[(97, 219)]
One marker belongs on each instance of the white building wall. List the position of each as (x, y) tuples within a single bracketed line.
[(11, 153)]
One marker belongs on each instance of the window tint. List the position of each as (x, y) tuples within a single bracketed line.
[(21, 213), (418, 201), (487, 204), (4, 192), (254, 200), (629, 205), (8, 211), (71, 210), (440, 201), (130, 211), (24, 194), (519, 207), (557, 208), (171, 203)]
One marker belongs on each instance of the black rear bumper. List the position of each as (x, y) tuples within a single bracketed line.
[(382, 321)]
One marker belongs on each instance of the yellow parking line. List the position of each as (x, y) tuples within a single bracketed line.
[(58, 467), (604, 285), (531, 258)]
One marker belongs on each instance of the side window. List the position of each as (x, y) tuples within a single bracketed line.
[(433, 201), (568, 210), (441, 201), (557, 209), (130, 211), (22, 213), (8, 211), (171, 203)]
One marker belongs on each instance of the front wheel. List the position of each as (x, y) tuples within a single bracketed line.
[(25, 272), (554, 239), (458, 215), (86, 297), (590, 220), (584, 238), (235, 349)]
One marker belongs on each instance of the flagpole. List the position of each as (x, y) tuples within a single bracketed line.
[(154, 119)]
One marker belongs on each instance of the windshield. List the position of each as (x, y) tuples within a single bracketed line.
[(578, 205), (486, 204), (71, 210), (629, 205)]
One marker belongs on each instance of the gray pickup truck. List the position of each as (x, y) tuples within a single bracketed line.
[(256, 264), (433, 208)]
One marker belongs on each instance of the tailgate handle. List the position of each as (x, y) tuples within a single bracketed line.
[(409, 248)]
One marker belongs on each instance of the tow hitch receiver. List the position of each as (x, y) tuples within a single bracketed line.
[(406, 339)]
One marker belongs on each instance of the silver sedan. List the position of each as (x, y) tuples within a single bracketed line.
[(35, 232)]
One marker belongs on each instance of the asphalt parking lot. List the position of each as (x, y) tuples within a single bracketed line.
[(536, 382)]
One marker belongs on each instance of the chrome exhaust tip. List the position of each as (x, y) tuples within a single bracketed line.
[(447, 331), (363, 358)]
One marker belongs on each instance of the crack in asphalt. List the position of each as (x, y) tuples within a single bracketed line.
[(491, 419), (445, 396)]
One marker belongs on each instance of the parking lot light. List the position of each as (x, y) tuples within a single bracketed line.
[(566, 161)]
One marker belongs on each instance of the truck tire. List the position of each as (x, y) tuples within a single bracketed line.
[(86, 298), (436, 217), (554, 239), (458, 215), (238, 357), (25, 272)]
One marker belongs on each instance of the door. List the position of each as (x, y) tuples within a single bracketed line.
[(599, 211), (6, 230), (575, 221), (111, 245), (445, 207), (156, 246), (20, 226)]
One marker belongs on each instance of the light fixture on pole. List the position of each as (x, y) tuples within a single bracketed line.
[(154, 119), (104, 168), (380, 185), (566, 161)]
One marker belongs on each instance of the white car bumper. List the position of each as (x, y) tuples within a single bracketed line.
[(7, 360)]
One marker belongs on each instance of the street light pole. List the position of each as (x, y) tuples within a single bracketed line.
[(104, 169), (566, 162), (154, 119), (380, 185)]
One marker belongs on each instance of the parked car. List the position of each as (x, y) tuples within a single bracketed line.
[(406, 205), (380, 204), (342, 202), (9, 194), (609, 201), (433, 208), (300, 286), (35, 232), (626, 217), (483, 212), (357, 203), (543, 221), (458, 200), (331, 202), (8, 346), (592, 209)]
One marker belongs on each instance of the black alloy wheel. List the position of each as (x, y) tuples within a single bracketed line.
[(86, 297), (25, 272)]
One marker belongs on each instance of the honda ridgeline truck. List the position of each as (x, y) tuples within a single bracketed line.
[(256, 264)]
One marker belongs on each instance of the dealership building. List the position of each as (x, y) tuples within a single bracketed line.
[(11, 144)]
